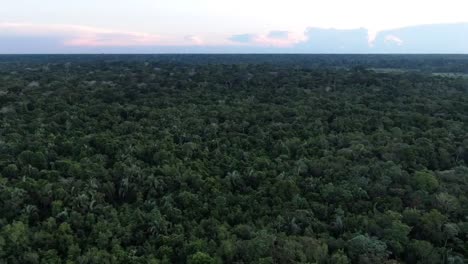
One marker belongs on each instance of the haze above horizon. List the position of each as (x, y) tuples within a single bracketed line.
[(209, 26)]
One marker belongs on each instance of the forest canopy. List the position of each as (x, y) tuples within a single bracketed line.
[(226, 160)]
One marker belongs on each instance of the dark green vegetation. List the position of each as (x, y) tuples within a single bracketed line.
[(170, 162)]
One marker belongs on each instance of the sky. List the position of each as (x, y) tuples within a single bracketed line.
[(57, 26)]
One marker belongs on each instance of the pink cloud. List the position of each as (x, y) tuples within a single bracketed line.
[(85, 36), (115, 39), (75, 35)]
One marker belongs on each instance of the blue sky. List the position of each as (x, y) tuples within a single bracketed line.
[(58, 26)]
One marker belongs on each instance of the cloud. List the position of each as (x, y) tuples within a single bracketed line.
[(324, 40), (271, 39), (196, 40), (393, 39), (75, 35), (242, 38), (435, 38), (59, 38), (96, 39), (278, 34)]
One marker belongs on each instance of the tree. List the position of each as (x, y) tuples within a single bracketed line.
[(396, 236), (421, 252), (424, 180), (367, 249), (446, 202), (15, 238), (200, 258), (10, 171), (339, 257), (432, 223)]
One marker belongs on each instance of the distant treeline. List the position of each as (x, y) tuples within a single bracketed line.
[(420, 62)]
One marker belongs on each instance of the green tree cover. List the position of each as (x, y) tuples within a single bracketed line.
[(160, 162), (457, 63)]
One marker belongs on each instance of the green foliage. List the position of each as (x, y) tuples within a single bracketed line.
[(423, 252), (426, 181), (339, 257), (396, 236), (367, 249), (10, 171), (200, 258), (233, 159), (29, 158)]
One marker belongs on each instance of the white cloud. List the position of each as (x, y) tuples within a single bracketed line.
[(270, 39), (393, 39), (196, 40)]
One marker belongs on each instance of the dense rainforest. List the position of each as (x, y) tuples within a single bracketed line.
[(160, 159)]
